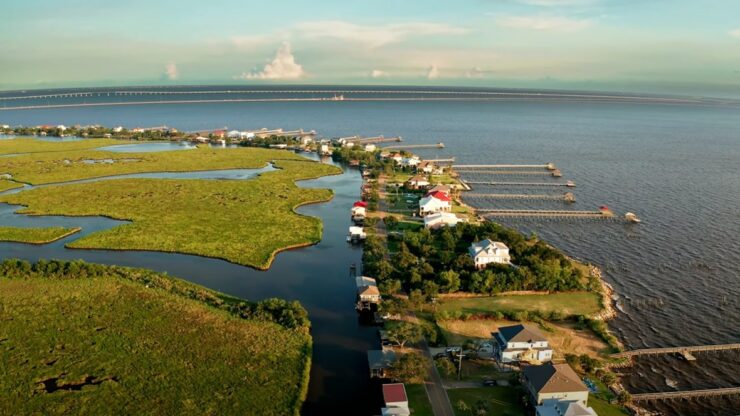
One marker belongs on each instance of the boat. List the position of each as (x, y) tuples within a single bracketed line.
[(631, 217)]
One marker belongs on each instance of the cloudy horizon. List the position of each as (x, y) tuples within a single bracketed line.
[(650, 46)]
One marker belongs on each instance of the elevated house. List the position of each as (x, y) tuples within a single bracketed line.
[(440, 219), (517, 343), (553, 381), (370, 147), (435, 202), (358, 212), (356, 235), (379, 362), (417, 182), (441, 188), (368, 295), (425, 167), (554, 407), (410, 162), (396, 401), (486, 252)]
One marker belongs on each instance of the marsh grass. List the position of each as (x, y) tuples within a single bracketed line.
[(35, 235)]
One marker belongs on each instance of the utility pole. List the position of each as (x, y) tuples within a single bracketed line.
[(460, 356)]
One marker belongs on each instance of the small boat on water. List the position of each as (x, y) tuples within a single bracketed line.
[(631, 217)]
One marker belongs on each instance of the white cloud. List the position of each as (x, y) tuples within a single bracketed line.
[(734, 33), (433, 72), (477, 72), (282, 67), (171, 72), (374, 36), (377, 73), (544, 23)]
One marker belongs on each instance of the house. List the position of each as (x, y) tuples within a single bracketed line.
[(370, 147), (117, 129), (368, 295), (201, 139), (434, 202), (487, 251), (379, 362), (358, 208), (553, 381), (61, 127), (425, 167), (324, 150), (219, 133), (554, 407), (521, 343), (441, 188), (396, 157), (356, 234), (396, 401), (410, 161), (417, 182), (441, 219)]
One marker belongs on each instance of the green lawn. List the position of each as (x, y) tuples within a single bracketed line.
[(501, 401), (109, 340), (6, 184), (418, 400), (35, 235), (245, 222), (603, 408), (567, 303)]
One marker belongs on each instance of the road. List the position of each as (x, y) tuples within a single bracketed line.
[(441, 405)]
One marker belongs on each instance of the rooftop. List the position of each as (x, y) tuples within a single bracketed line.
[(394, 393), (553, 378), (521, 333)]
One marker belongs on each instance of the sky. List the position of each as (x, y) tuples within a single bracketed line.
[(674, 46)]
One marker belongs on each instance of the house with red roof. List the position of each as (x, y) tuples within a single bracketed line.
[(435, 202), (396, 401)]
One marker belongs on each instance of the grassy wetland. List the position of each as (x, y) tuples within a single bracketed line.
[(158, 343), (242, 221), (35, 235)]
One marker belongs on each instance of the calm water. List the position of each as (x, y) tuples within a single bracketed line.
[(676, 166)]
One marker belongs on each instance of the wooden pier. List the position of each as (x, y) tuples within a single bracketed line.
[(686, 394), (513, 172), (544, 213), (373, 140), (569, 184), (677, 350), (548, 166), (568, 196), (439, 145)]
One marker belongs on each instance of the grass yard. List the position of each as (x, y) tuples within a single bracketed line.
[(603, 408), (564, 338), (64, 165), (6, 185), (418, 400), (111, 340), (245, 222), (35, 235), (567, 303), (500, 401)]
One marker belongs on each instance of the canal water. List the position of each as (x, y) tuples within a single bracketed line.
[(317, 276)]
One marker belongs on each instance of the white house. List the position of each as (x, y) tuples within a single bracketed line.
[(117, 129), (370, 147), (434, 202), (396, 158), (441, 219), (324, 150), (555, 407), (396, 401), (554, 381), (410, 161), (425, 166), (62, 127), (521, 343), (367, 289), (487, 251), (417, 182)]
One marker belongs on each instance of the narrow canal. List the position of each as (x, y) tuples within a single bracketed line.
[(317, 276)]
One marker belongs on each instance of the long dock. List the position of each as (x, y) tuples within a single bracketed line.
[(569, 184), (439, 145), (568, 196), (677, 350), (544, 213), (374, 140), (447, 160), (548, 166), (686, 394)]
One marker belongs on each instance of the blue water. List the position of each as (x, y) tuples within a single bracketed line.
[(675, 164)]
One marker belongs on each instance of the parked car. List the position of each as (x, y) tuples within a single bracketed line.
[(489, 383)]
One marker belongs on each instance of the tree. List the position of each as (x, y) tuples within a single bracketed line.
[(450, 280), (403, 332), (462, 406), (390, 221), (416, 297), (410, 368), (445, 367)]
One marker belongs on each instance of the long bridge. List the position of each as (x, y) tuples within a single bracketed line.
[(686, 351), (685, 394), (544, 213)]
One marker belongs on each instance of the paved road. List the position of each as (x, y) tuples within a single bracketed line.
[(435, 389)]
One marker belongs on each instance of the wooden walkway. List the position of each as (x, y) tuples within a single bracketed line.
[(569, 184), (677, 350), (686, 394), (569, 197), (416, 146), (549, 166), (543, 213)]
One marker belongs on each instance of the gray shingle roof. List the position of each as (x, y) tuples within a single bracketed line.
[(553, 378)]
